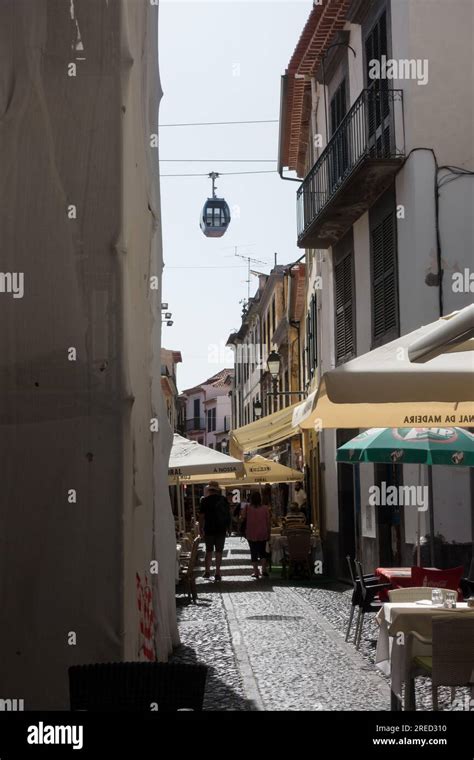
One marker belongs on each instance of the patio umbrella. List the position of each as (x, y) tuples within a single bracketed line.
[(259, 470), (191, 462), (430, 446), (448, 446)]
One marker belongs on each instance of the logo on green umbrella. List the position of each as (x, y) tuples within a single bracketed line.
[(436, 435)]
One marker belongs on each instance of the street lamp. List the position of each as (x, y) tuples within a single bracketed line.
[(273, 365), (257, 409)]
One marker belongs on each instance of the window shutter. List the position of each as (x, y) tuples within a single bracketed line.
[(345, 344), (384, 277)]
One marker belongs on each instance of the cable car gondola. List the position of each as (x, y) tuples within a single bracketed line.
[(215, 215)]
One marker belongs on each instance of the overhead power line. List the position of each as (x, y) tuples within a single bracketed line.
[(220, 123), (219, 160), (222, 174)]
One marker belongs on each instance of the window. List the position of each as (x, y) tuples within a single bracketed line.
[(311, 337), (379, 132), (197, 407), (384, 269), (339, 155), (211, 445), (344, 298), (211, 420), (273, 315), (218, 446)]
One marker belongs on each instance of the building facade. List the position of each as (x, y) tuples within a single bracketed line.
[(385, 217), (169, 362), (272, 324), (208, 410)]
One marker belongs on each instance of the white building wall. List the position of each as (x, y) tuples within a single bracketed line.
[(419, 30), (439, 114)]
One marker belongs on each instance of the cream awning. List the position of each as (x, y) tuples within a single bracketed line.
[(383, 388), (267, 431)]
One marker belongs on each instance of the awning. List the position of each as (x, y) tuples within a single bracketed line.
[(383, 388), (267, 431)]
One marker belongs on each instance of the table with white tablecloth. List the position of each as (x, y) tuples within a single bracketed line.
[(178, 560), (396, 619), (279, 549)]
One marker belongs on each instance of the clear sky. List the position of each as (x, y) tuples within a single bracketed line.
[(221, 60)]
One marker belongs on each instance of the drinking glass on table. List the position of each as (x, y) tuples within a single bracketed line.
[(436, 596), (450, 600)]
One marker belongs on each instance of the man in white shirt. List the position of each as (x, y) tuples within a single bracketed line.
[(300, 497)]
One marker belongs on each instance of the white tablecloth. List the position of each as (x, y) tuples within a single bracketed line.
[(178, 556), (279, 545), (399, 618)]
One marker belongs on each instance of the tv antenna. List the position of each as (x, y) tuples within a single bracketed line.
[(249, 261)]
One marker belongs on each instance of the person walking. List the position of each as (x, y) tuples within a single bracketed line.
[(257, 532), (214, 522)]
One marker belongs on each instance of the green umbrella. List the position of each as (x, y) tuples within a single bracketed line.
[(447, 446)]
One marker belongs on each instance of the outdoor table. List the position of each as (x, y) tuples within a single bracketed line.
[(279, 545), (400, 618), (178, 560), (399, 577)]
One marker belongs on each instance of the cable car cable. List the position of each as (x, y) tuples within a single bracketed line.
[(219, 160), (223, 174), (220, 123)]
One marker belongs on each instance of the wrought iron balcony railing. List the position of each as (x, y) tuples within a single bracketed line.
[(368, 133), (195, 423)]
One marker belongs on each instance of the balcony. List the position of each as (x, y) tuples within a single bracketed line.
[(357, 166), (195, 423)]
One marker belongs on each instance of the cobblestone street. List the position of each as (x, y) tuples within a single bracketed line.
[(272, 645)]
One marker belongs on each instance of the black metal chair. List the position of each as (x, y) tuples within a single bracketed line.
[(467, 584), (369, 601), (357, 592), (137, 687)]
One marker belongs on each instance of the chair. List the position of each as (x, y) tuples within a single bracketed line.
[(412, 594), (137, 686), (452, 659), (186, 572), (299, 552), (467, 584), (369, 601), (449, 578), (356, 593)]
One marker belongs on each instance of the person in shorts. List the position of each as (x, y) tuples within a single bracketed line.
[(257, 532), (214, 521)]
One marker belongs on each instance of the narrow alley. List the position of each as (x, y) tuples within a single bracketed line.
[(274, 645)]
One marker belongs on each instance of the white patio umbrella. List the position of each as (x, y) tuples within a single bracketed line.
[(191, 462), (259, 470)]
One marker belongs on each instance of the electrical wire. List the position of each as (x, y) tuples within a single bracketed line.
[(221, 174), (219, 160), (242, 266), (220, 123)]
